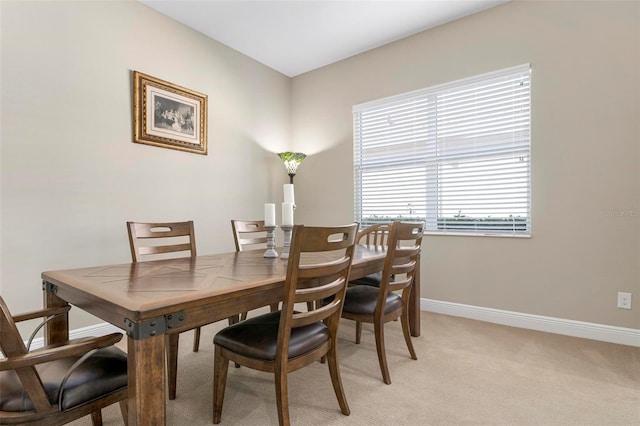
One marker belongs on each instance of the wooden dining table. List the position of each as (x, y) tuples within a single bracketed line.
[(149, 300)]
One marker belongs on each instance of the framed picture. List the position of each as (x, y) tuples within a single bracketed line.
[(169, 116)]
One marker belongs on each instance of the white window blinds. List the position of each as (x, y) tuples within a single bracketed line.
[(456, 156)]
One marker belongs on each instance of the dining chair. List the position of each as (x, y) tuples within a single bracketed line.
[(389, 301), (284, 341), (249, 235), (375, 237), (152, 241), (58, 384)]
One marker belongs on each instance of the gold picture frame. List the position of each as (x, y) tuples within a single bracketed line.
[(168, 115)]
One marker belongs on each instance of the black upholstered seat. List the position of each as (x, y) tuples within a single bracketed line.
[(102, 373), (258, 337), (363, 299)]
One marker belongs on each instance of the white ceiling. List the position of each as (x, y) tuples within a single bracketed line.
[(297, 36)]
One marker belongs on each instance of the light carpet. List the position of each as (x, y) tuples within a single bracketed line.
[(467, 373)]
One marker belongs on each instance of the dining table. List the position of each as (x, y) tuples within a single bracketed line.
[(149, 300)]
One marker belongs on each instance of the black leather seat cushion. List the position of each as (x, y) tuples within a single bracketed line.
[(372, 280), (361, 299), (104, 372), (257, 337)]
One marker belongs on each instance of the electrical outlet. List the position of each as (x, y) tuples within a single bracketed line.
[(624, 300)]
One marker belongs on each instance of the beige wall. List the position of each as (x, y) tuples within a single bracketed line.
[(585, 59), (71, 175)]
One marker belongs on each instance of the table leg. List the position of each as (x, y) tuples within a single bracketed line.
[(414, 303), (146, 381), (171, 341), (56, 330)]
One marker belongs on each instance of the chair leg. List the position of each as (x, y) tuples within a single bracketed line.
[(196, 339), (404, 320), (124, 409), (220, 370), (282, 397), (96, 418), (358, 332), (336, 380), (234, 319), (171, 348), (382, 356)]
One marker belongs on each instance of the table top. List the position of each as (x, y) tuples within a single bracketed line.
[(162, 284)]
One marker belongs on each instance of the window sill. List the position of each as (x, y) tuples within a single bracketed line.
[(466, 234)]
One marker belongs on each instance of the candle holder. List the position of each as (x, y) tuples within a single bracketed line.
[(271, 242), (287, 241)]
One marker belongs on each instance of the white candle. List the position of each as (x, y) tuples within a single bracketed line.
[(287, 214), (288, 193), (270, 214)]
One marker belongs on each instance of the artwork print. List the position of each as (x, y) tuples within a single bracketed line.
[(169, 116)]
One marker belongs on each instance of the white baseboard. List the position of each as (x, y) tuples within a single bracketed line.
[(587, 330), (78, 333)]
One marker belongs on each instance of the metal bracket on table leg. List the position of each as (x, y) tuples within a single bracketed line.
[(48, 287), (154, 326)]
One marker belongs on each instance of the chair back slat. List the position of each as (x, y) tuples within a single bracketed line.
[(375, 236), (319, 265), (402, 270), (323, 269), (325, 239), (404, 241), (401, 281), (319, 292), (319, 314), (149, 250), (149, 239), (403, 267), (248, 234)]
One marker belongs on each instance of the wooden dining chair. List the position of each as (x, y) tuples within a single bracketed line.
[(58, 384), (153, 241), (284, 341), (375, 237), (379, 305), (249, 235)]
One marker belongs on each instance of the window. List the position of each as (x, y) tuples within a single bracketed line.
[(457, 156)]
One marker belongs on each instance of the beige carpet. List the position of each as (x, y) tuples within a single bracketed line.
[(467, 373)]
